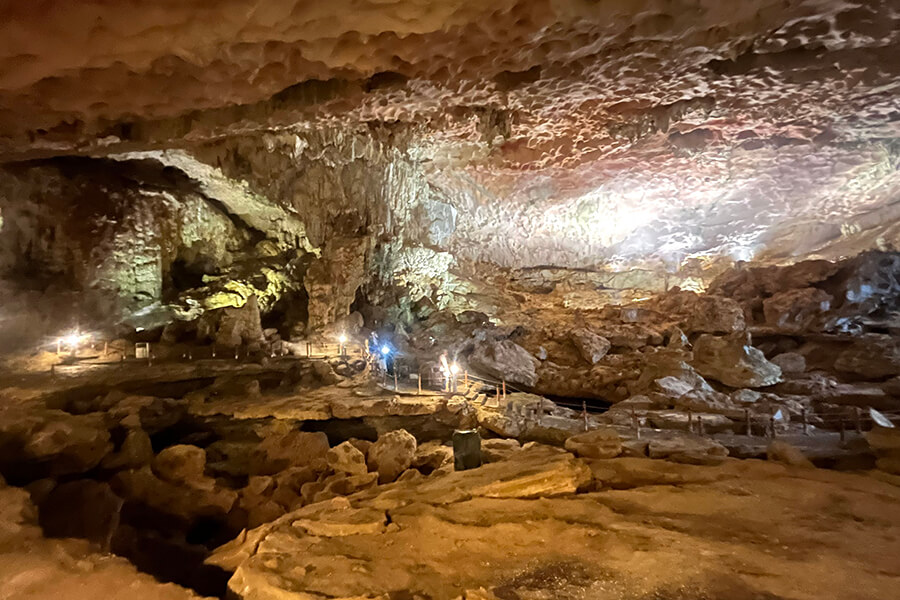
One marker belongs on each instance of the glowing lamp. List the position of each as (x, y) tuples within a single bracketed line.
[(385, 350), (70, 340), (454, 368), (343, 339)]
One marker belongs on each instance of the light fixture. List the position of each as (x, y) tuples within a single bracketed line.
[(71, 340), (343, 339), (385, 350), (454, 368)]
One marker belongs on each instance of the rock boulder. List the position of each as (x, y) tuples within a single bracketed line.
[(504, 359), (591, 346), (733, 361), (346, 458), (598, 443), (392, 454)]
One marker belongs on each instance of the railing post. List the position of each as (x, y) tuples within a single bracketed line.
[(843, 432), (857, 420), (504, 389), (700, 425), (396, 386), (772, 425), (804, 422), (420, 383), (690, 420), (747, 421), (584, 414)]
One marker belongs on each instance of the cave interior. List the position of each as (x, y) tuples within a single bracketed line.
[(449, 300)]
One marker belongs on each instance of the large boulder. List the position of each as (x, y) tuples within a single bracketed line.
[(684, 421), (591, 347), (183, 465), (873, 356), (733, 361), (36, 442), (688, 449), (791, 363), (278, 451), (346, 458), (136, 451), (504, 360), (256, 500), (233, 326), (392, 454), (885, 442), (185, 502), (603, 442), (432, 455), (701, 313), (497, 449), (796, 310)]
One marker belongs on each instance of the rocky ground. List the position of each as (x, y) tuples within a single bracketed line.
[(361, 479), (543, 524), (229, 458)]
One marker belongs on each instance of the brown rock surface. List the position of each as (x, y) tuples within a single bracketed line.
[(734, 362), (599, 443), (702, 527), (346, 458), (392, 454), (36, 568)]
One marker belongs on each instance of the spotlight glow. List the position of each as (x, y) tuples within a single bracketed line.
[(343, 339), (385, 350), (454, 368)]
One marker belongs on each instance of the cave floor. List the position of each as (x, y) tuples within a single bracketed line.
[(644, 529)]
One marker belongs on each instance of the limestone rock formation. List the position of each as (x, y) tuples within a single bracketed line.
[(240, 325), (183, 465), (790, 363), (392, 454), (346, 458), (734, 362), (874, 356), (591, 346), (279, 451), (332, 280), (688, 449), (34, 567), (599, 443), (51, 442), (649, 498), (886, 443), (797, 309), (505, 360)]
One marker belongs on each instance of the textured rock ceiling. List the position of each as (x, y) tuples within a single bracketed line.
[(567, 132)]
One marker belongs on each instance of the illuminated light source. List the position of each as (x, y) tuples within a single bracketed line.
[(71, 341), (454, 368), (385, 350), (343, 339)]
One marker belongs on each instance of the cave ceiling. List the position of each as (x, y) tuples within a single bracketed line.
[(570, 133)]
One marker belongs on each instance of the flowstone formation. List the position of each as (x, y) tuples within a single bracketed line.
[(265, 264)]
